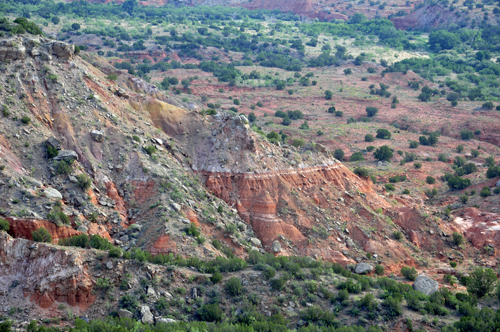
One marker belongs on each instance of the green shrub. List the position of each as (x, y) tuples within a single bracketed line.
[(41, 235), (392, 307), (397, 178), (398, 236), (51, 152), (383, 153), (458, 238), (370, 148), (83, 181), (234, 287), (100, 243), (371, 111), (413, 144), (64, 167), (216, 277), (409, 273), (369, 138), (338, 154), (390, 187), (430, 180), (379, 270), (383, 134), (150, 149), (81, 241), (481, 282), (114, 252), (417, 165), (485, 192), (4, 225), (211, 313), (278, 283), (130, 303), (26, 120), (269, 272), (362, 172)]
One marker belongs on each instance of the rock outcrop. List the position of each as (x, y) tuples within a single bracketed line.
[(45, 274), (17, 48)]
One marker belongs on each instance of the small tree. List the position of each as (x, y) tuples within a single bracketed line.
[(458, 238), (83, 181), (481, 282), (371, 111), (328, 94), (383, 133), (75, 26), (252, 117), (234, 287), (338, 154), (41, 235), (383, 153)]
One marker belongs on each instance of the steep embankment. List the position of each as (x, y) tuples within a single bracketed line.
[(426, 17)]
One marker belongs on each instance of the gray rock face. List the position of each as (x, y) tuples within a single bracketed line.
[(425, 285), (497, 184), (52, 193), (147, 316), (363, 268), (123, 313), (276, 246), (66, 155), (97, 135), (54, 143)]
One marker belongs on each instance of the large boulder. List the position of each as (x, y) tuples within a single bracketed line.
[(363, 268), (66, 155), (97, 135), (276, 246), (147, 316), (54, 143), (497, 184), (425, 285), (52, 193), (123, 313)]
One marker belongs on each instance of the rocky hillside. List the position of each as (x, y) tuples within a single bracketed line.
[(89, 149)]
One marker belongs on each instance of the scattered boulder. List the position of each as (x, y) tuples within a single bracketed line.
[(97, 135), (176, 207), (147, 316), (33, 182), (425, 285), (363, 268), (52, 193), (123, 313), (276, 246), (66, 155), (54, 143), (151, 293), (255, 241), (158, 141)]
